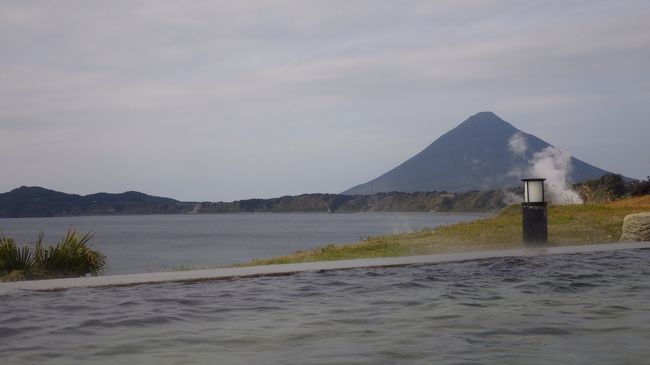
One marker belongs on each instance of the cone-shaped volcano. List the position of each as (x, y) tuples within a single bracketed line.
[(479, 154)]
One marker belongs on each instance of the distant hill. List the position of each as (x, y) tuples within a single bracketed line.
[(41, 202), (482, 153), (380, 202), (36, 201)]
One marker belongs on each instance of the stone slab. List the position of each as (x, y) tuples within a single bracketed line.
[(636, 227)]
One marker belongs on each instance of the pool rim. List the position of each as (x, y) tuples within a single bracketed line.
[(289, 269)]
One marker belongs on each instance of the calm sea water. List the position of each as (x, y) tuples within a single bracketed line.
[(135, 244), (561, 309)]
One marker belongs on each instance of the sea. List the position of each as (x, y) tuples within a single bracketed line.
[(154, 243), (589, 308)]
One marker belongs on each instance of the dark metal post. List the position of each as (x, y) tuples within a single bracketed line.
[(533, 213), (534, 222)]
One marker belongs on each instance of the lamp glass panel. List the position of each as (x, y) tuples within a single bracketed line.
[(534, 191)]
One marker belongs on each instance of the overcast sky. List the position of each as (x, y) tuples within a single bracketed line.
[(225, 100)]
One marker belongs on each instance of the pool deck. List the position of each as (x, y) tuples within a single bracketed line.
[(286, 269)]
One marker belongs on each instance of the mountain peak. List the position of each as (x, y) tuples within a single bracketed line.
[(486, 120), (485, 114), (475, 155)]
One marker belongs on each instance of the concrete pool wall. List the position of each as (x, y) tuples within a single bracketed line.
[(285, 269)]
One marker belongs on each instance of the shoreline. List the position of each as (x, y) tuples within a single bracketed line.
[(290, 269), (470, 212), (580, 224)]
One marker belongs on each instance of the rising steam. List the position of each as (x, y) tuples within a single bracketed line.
[(554, 165), (517, 144), (551, 164)]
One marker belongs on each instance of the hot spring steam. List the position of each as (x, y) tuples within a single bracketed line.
[(551, 164)]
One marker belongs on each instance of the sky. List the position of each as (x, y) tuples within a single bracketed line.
[(228, 100)]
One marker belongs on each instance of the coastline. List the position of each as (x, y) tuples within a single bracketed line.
[(567, 224)]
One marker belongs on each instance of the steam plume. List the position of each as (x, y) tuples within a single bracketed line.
[(517, 144), (511, 198), (551, 164), (554, 165)]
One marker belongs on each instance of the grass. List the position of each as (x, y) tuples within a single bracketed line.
[(70, 257), (567, 224)]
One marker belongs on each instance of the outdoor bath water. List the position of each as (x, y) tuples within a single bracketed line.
[(589, 308)]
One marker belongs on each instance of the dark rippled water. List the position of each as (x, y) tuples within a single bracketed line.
[(563, 309)]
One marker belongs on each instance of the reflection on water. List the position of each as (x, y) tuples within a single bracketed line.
[(581, 308)]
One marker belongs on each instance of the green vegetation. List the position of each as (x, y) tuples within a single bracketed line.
[(70, 257), (610, 187), (602, 190), (568, 224), (472, 201)]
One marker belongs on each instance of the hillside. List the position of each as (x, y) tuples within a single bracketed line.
[(482, 153), (380, 202), (40, 202)]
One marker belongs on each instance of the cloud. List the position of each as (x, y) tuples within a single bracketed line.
[(247, 73)]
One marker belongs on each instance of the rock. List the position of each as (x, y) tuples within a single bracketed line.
[(636, 227)]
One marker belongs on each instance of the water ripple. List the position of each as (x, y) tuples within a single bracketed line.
[(594, 307)]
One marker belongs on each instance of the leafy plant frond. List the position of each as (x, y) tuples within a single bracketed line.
[(70, 257), (13, 257)]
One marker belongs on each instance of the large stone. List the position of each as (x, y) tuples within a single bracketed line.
[(636, 227)]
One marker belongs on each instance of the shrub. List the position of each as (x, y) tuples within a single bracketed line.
[(638, 188), (602, 190), (70, 257), (13, 258)]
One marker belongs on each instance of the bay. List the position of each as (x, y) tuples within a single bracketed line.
[(151, 243)]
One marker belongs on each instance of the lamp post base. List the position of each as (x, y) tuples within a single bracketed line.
[(534, 223)]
